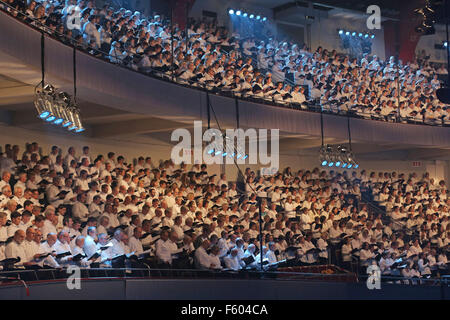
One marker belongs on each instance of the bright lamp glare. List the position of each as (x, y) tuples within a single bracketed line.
[(360, 34), (218, 152), (245, 157), (338, 164), (211, 151), (238, 13), (356, 166), (58, 121), (347, 33), (324, 163), (264, 19), (331, 164), (366, 36), (231, 11), (50, 119), (245, 14), (258, 17), (372, 36), (44, 114), (354, 34), (350, 166), (252, 16)]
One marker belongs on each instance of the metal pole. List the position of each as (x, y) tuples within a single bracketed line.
[(448, 44), (187, 27), (260, 235), (171, 39)]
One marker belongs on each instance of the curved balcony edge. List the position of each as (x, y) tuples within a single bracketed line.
[(103, 83)]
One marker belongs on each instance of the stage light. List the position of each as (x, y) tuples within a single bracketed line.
[(446, 44), (245, 14), (366, 36), (264, 19), (353, 34), (39, 104), (238, 13), (347, 33), (252, 16), (211, 151), (245, 157), (341, 32), (231, 11), (79, 127), (360, 34), (218, 152), (372, 36), (258, 17)]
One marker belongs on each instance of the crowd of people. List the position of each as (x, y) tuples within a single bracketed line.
[(265, 69), (62, 208)]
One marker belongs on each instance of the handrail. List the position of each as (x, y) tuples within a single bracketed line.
[(127, 273), (149, 71)]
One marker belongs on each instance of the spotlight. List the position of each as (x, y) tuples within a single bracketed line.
[(341, 32), (347, 33), (231, 11), (323, 156), (211, 151), (245, 157), (366, 36), (372, 36), (252, 16), (76, 123), (360, 34), (218, 152), (353, 34), (238, 13), (39, 103), (245, 14), (258, 17), (264, 19)]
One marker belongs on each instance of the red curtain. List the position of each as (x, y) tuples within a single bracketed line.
[(179, 11), (402, 33)]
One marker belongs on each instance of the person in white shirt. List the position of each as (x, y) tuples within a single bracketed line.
[(202, 258), (16, 248), (90, 246), (79, 209), (166, 247), (232, 260)]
